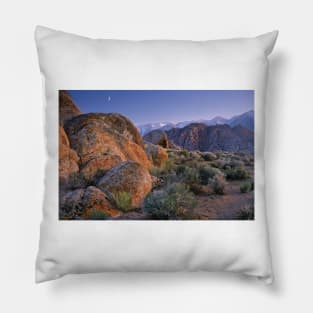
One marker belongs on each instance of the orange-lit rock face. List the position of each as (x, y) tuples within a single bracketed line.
[(68, 158), (98, 135), (99, 166), (128, 177)]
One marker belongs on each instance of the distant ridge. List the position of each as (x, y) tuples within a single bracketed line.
[(245, 119), (198, 136)]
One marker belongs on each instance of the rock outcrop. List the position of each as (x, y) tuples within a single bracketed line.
[(68, 159), (96, 135), (157, 154), (81, 203), (129, 177), (97, 167), (67, 108), (104, 150), (157, 137)]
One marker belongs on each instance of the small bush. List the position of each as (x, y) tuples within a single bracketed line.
[(218, 184), (184, 153), (170, 202), (206, 173), (237, 173), (219, 163), (246, 213), (122, 200), (236, 163), (245, 187), (95, 214), (209, 156), (195, 155), (190, 176)]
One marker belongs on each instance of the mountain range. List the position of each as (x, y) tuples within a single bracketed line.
[(245, 119), (199, 136)]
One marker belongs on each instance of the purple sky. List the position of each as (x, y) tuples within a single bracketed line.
[(147, 106)]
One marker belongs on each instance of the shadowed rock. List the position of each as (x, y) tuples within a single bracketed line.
[(67, 108), (82, 202)]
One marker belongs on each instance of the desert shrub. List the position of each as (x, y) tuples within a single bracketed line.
[(198, 189), (218, 184), (95, 214), (184, 153), (193, 163), (195, 155), (219, 163), (237, 173), (206, 173), (246, 213), (170, 202), (155, 171), (209, 156), (122, 200), (227, 167), (245, 187), (236, 163), (180, 169), (168, 165), (188, 175)]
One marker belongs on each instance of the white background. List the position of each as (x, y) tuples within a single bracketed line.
[(289, 154)]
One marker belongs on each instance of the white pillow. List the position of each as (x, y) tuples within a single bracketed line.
[(70, 62)]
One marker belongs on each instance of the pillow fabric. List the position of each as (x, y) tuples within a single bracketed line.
[(155, 155)]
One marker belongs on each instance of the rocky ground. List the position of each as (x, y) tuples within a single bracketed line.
[(108, 171)]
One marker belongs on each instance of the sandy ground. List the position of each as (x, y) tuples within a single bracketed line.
[(223, 206)]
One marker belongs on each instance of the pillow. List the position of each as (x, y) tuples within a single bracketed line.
[(155, 155)]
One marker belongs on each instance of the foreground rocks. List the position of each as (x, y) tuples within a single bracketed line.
[(68, 159), (129, 177), (83, 202), (97, 167), (100, 156)]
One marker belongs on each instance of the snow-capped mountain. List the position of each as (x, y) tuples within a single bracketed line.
[(246, 120)]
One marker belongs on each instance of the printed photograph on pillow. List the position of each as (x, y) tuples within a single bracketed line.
[(156, 154)]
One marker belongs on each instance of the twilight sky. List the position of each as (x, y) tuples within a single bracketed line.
[(147, 106)]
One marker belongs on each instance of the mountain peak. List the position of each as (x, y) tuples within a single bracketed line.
[(245, 119)]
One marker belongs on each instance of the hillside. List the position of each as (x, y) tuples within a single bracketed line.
[(213, 138)]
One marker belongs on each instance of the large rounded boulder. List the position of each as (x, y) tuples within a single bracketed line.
[(130, 177), (97, 167), (67, 107), (97, 135)]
